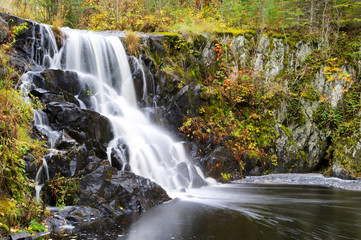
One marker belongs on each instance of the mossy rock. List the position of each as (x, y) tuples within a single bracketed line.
[(249, 33), (169, 34), (209, 93)]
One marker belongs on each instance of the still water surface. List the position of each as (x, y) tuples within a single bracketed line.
[(252, 209)]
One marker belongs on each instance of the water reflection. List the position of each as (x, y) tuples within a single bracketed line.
[(254, 211)]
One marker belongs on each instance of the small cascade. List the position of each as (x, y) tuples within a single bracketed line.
[(46, 48), (140, 68), (42, 123), (38, 178)]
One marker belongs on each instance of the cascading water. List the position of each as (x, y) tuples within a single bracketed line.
[(102, 67), (39, 185)]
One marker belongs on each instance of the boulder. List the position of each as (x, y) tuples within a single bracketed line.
[(79, 214), (220, 160), (340, 172), (46, 97), (80, 124), (56, 80), (120, 155), (61, 164), (115, 192)]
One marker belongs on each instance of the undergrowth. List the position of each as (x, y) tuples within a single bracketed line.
[(17, 203)]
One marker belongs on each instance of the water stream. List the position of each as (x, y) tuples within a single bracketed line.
[(257, 208)]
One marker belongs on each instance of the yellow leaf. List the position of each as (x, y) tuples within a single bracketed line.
[(331, 78)]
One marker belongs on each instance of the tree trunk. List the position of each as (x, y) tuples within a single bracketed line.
[(312, 12)]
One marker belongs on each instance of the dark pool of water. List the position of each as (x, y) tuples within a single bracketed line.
[(240, 211)]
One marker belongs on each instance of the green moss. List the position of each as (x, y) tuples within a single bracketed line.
[(156, 58), (343, 150), (278, 36), (291, 44), (249, 34), (208, 93), (230, 33), (301, 153), (17, 206), (271, 46), (285, 61), (327, 117), (169, 34), (274, 35)]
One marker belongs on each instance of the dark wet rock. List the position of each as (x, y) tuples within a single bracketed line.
[(180, 106), (21, 236), (80, 124), (75, 162), (120, 155), (60, 164), (107, 228), (87, 162), (78, 214), (31, 166), (220, 160), (66, 142), (18, 55), (46, 97), (137, 75), (61, 86), (115, 192), (253, 166), (184, 103), (28, 45), (99, 148), (117, 160), (55, 222), (153, 52), (14, 20), (143, 80)]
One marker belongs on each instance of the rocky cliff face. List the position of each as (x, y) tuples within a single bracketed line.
[(303, 143)]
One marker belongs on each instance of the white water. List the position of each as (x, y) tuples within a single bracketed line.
[(102, 66), (39, 186)]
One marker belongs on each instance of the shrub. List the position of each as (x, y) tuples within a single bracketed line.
[(132, 41)]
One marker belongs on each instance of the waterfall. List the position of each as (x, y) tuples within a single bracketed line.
[(102, 66), (38, 176)]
